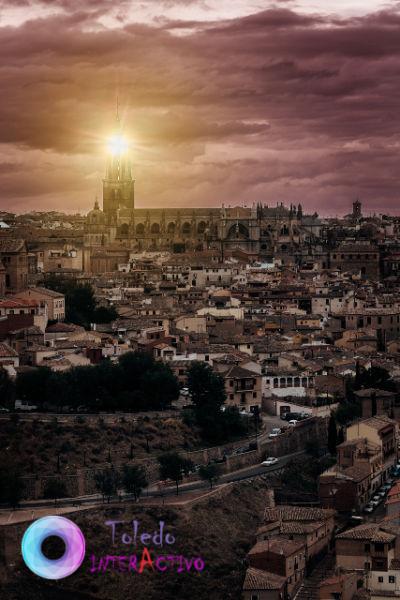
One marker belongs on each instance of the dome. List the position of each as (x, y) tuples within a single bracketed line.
[(96, 216)]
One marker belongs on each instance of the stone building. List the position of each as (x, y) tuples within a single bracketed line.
[(14, 258), (258, 231)]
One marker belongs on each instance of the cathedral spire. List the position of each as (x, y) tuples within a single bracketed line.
[(117, 118)]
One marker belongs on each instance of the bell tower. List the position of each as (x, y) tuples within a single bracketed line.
[(118, 184)]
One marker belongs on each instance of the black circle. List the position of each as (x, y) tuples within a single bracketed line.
[(53, 547)]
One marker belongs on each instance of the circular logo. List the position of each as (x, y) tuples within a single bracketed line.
[(59, 527)]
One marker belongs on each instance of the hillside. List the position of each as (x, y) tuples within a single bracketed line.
[(220, 530)]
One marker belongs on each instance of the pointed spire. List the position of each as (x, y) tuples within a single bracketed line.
[(117, 111)]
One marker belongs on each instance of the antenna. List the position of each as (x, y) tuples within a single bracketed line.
[(117, 110)]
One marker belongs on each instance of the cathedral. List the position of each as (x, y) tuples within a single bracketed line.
[(260, 232)]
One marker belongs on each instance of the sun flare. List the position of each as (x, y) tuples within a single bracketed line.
[(117, 145)]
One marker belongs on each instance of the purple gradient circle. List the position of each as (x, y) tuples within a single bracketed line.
[(45, 567)]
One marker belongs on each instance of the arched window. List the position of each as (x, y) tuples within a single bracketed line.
[(186, 228), (171, 227), (155, 228), (124, 229), (201, 227), (140, 229)]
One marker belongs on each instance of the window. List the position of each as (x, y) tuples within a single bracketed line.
[(255, 597), (366, 547), (380, 579), (392, 579)]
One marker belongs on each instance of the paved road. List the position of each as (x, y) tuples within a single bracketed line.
[(154, 491)]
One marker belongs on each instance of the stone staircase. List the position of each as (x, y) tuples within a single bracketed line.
[(309, 589)]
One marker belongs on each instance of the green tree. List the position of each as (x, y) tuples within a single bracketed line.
[(332, 434), (107, 482), (103, 314), (312, 448), (134, 480), (207, 391), (6, 389), (160, 386), (11, 486), (210, 473), (174, 467), (80, 303), (55, 488), (206, 388), (34, 386)]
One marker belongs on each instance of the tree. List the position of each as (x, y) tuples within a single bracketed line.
[(209, 473), (375, 377), (55, 488), (206, 388), (6, 389), (107, 482), (134, 480), (34, 386), (312, 448), (11, 486), (332, 434), (207, 391), (80, 303), (173, 466), (160, 386), (102, 314)]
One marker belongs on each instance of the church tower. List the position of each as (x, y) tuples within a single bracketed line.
[(118, 185)]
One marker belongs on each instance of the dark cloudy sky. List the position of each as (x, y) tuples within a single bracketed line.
[(224, 101)]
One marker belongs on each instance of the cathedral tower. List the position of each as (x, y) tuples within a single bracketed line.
[(118, 185)]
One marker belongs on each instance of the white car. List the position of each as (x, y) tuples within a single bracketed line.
[(369, 508), (185, 391), (24, 405), (275, 432), (293, 422), (271, 460)]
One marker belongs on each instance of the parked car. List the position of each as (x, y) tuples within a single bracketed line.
[(185, 391), (304, 416), (369, 508), (290, 415), (271, 460), (24, 405), (293, 422), (3, 409), (275, 432), (375, 500), (356, 519)]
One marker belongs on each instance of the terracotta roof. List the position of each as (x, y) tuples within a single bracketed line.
[(395, 491), (377, 423), (277, 545), (6, 351), (237, 372), (369, 532), (359, 472), (297, 513), (262, 580), (63, 328), (17, 303), (300, 528), (11, 245), (47, 292)]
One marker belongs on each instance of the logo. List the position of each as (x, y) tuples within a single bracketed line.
[(44, 528)]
